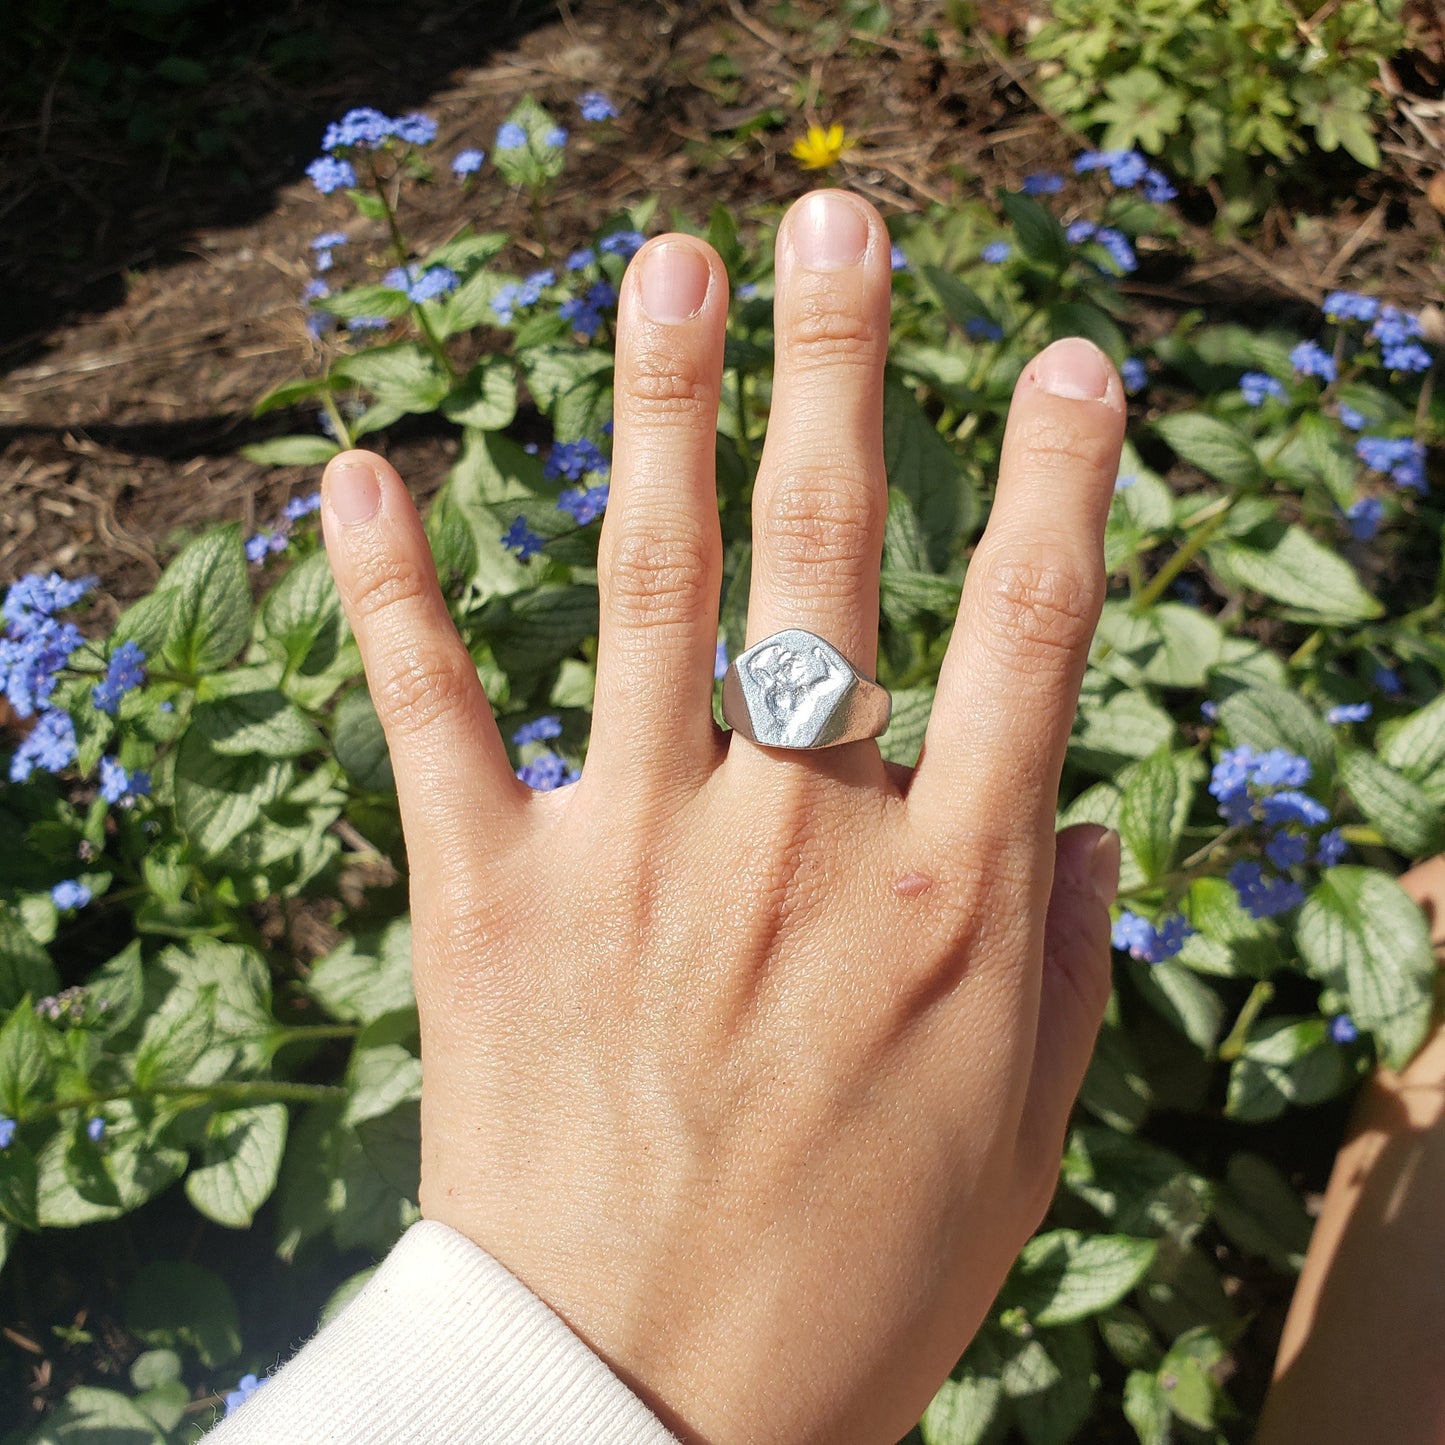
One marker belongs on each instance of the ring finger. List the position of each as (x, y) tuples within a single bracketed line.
[(822, 493)]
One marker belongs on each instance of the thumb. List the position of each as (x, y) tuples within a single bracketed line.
[(1076, 979)]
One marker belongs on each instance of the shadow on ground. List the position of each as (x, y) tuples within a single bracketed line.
[(127, 126)]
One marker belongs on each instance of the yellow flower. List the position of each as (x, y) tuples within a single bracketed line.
[(820, 148)]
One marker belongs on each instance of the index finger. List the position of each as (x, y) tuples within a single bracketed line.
[(1010, 682), (452, 772)]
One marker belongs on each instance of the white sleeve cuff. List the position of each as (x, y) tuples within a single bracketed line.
[(443, 1345)]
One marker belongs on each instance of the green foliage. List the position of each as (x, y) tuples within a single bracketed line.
[(178, 1050), (1220, 88)]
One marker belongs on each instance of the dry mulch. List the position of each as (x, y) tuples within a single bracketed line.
[(119, 426)]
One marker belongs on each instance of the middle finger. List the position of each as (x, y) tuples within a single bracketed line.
[(822, 493)]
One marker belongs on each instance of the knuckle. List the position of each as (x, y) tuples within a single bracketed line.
[(420, 688), (827, 328), (826, 526), (1052, 447), (657, 577), (667, 386), (1041, 609), (390, 582)]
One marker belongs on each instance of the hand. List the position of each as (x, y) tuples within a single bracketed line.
[(756, 1065)]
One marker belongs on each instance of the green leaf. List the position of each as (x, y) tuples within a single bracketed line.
[(487, 397), (571, 385), (903, 740), (1116, 1089), (210, 616), (1146, 1408), (293, 451), (962, 1412), (1040, 235), (1188, 1378), (219, 796), (148, 622), (966, 1406), (378, 1080), (25, 967), (155, 1368), (1268, 717), (263, 722), (904, 546), (922, 466), (1299, 571), (92, 1416), (960, 302), (535, 628), (1050, 1381), (1063, 1275), (79, 1182), (1284, 1061), (25, 1062), (328, 1183), (165, 1404), (1184, 999), (179, 1305), (470, 305), (905, 596), (19, 1189), (239, 1163), (1415, 745), (364, 981), (1360, 932), (1170, 645), (303, 625), (289, 393), (1149, 818), (1218, 449), (392, 1143), (373, 300), (1261, 1213), (1406, 819), (360, 743), (174, 1036), (404, 376), (1138, 1187), (1228, 941), (1081, 318), (118, 988), (1127, 727), (531, 165)]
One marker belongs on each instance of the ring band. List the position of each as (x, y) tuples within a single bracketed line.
[(794, 690)]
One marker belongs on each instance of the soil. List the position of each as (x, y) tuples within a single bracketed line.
[(155, 301)]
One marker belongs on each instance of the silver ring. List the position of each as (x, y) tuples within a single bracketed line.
[(793, 690)]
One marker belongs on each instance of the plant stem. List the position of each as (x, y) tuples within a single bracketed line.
[(338, 422), (398, 246), (1259, 995), (260, 1090), (1427, 394), (1193, 546), (539, 225), (745, 449)]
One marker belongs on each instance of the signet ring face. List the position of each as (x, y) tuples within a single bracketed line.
[(795, 690)]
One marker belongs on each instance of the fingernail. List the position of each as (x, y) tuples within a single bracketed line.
[(1074, 368), (829, 231), (675, 279), (1104, 868), (353, 492)]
